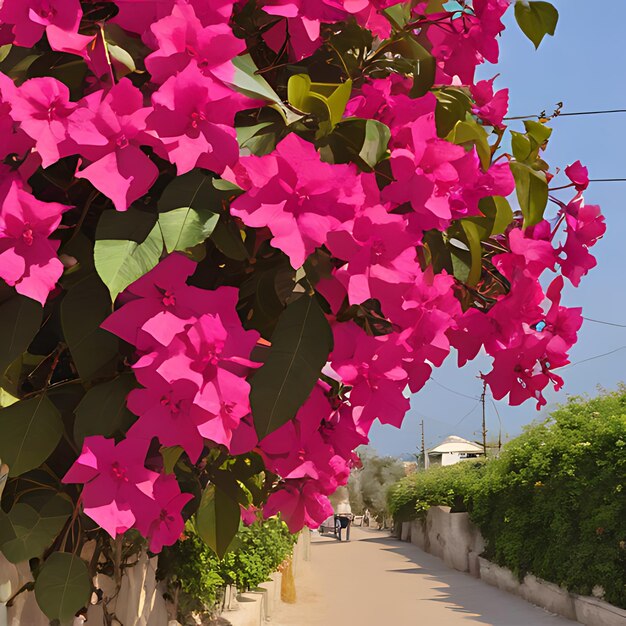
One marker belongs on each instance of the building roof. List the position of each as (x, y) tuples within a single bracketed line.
[(456, 444)]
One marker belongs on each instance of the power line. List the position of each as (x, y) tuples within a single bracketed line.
[(458, 393), (598, 356), (467, 414), (589, 319), (574, 113), (607, 180)]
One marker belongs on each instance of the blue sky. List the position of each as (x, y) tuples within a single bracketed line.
[(583, 66)]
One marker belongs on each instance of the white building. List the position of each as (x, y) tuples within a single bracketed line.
[(452, 450)]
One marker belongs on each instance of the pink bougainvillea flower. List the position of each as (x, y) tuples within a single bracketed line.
[(28, 259), (562, 323), (167, 411), (470, 41), (195, 125), (585, 226), (30, 19), (379, 251), (118, 168), (373, 367), (115, 479), (519, 371), (159, 518), (160, 304), (425, 174), (182, 41), (43, 108), (299, 503), (225, 400), (579, 175), (298, 197), (138, 16), (490, 107), (211, 342)]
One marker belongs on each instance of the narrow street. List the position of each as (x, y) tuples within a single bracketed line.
[(376, 580)]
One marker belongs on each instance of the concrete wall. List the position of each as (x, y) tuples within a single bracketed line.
[(453, 538), (450, 536)]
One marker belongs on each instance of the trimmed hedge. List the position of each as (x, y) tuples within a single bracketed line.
[(196, 577), (552, 504)]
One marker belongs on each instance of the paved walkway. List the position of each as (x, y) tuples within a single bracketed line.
[(376, 580)]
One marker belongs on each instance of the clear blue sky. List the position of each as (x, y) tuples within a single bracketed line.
[(582, 66)]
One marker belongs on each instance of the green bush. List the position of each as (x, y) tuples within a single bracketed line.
[(445, 486), (196, 578), (553, 503)]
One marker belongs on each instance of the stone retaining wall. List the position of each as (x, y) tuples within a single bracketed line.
[(453, 538)]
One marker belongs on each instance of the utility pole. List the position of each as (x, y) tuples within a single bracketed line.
[(482, 399), (423, 447)]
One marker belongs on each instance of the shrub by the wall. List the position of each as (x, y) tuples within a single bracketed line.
[(552, 504), (196, 577)]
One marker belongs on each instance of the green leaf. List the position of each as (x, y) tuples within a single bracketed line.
[(83, 309), (227, 237), (102, 411), (476, 251), (453, 105), (186, 227), (4, 51), (498, 215), (327, 101), (301, 344), (170, 457), (31, 430), (472, 133), (63, 586), (537, 131), (123, 253), (376, 141), (217, 519), (536, 19), (20, 319), (25, 532), (424, 72), (186, 217), (531, 187), (245, 80)]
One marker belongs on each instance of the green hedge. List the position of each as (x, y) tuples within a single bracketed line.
[(553, 503), (196, 578)]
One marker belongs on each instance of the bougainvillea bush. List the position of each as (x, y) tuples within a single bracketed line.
[(233, 235)]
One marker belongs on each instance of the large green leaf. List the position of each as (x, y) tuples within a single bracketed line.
[(470, 133), (63, 586), (31, 430), (128, 245), (375, 143), (25, 532), (102, 411), (20, 319), (453, 105), (246, 81), (327, 101), (301, 343), (83, 309), (217, 519), (188, 211), (475, 247), (536, 19), (531, 187)]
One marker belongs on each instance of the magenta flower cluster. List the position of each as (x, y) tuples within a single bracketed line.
[(193, 356)]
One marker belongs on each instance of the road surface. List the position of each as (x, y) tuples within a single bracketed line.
[(376, 580)]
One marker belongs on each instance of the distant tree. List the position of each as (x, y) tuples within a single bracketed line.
[(368, 485)]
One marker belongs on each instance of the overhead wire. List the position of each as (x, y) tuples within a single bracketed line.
[(458, 393), (590, 319), (597, 356)]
